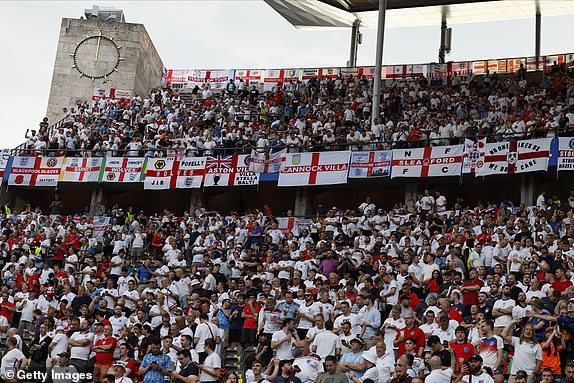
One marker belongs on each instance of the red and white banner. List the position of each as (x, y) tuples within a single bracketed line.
[(437, 70), (308, 73), (515, 157), (190, 172), (371, 164), (263, 162), (81, 169), (110, 94), (35, 171), (271, 77), (218, 79), (329, 72), (368, 72), (249, 76), (293, 225), (229, 171), (325, 168), (122, 169), (438, 161), (473, 154), (159, 173)]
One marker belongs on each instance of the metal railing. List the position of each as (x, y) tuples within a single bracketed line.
[(49, 131), (320, 147)]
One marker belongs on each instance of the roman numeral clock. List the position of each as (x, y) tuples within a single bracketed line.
[(97, 57)]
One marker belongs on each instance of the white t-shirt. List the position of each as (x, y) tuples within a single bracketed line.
[(353, 319), (284, 349), (310, 311), (391, 333), (372, 373), (60, 343), (503, 320), (489, 350), (440, 376), (482, 378), (525, 356), (327, 342), (204, 331), (212, 362), (310, 367), (81, 353), (116, 270), (10, 360)]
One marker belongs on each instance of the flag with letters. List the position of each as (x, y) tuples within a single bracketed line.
[(515, 157), (122, 169), (35, 171), (81, 169), (436, 161)]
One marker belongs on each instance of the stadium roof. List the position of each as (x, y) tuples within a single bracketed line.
[(412, 13)]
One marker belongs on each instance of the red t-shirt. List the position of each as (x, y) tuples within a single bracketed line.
[(5, 312), (416, 333), (413, 299), (471, 297), (34, 283), (250, 322), (106, 358), (461, 352), (561, 286), (453, 314)]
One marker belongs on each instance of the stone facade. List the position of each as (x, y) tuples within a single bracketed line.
[(139, 72)]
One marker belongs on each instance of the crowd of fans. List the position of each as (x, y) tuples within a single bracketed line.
[(321, 114), (441, 293)]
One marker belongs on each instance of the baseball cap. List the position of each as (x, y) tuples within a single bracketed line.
[(475, 357)]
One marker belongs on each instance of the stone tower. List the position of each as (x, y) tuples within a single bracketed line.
[(101, 58)]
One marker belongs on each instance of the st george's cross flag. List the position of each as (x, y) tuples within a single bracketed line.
[(35, 171), (265, 162), (437, 161), (122, 169), (515, 157), (159, 173), (325, 168), (81, 169), (371, 164), (190, 172)]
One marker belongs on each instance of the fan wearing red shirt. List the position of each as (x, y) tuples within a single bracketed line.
[(6, 307), (104, 349), (407, 294), (250, 314), (470, 289), (561, 284), (463, 350), (34, 281), (410, 331)]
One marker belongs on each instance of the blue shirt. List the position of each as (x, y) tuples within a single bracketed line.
[(353, 358), (153, 376), (144, 274), (289, 310), (373, 316)]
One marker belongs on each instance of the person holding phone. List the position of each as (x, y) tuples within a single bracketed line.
[(155, 365)]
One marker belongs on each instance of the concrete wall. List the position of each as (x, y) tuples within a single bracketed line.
[(140, 71)]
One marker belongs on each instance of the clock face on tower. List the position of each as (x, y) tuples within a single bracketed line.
[(96, 57)]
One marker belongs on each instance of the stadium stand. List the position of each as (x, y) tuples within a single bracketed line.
[(437, 292)]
